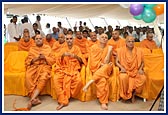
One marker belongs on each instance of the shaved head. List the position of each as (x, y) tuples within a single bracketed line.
[(129, 38), (130, 42), (61, 38), (103, 38)]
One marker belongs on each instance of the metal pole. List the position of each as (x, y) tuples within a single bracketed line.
[(105, 21), (91, 23), (68, 22)]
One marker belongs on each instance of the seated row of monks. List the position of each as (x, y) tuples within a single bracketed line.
[(67, 58)]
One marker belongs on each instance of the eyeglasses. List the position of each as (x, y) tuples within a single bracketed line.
[(68, 38)]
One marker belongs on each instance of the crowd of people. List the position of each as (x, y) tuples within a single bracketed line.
[(66, 50)]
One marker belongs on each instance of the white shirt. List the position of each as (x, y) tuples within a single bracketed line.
[(61, 30), (39, 24), (13, 31), (29, 27), (143, 37), (47, 31), (133, 34), (42, 33)]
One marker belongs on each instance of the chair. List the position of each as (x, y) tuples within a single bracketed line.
[(146, 51), (154, 65), (9, 47), (157, 51), (14, 73), (137, 44)]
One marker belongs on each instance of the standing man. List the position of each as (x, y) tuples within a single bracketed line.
[(60, 28), (28, 26), (38, 19), (13, 30)]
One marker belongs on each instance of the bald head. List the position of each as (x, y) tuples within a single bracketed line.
[(61, 38), (69, 40), (26, 37), (103, 38), (130, 42), (39, 40)]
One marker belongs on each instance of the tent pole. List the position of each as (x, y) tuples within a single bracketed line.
[(68, 22), (105, 21), (91, 22)]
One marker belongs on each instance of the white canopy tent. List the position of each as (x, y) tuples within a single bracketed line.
[(95, 14)]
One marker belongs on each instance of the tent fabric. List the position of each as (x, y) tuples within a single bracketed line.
[(80, 11)]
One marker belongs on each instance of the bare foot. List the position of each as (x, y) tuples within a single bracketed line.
[(60, 107), (104, 106), (124, 101), (85, 88), (36, 101), (133, 99), (29, 106)]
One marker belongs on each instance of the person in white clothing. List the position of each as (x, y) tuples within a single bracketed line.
[(35, 27), (13, 31), (60, 28), (38, 19), (28, 26), (47, 29)]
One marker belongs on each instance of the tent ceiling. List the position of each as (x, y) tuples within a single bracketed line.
[(114, 11)]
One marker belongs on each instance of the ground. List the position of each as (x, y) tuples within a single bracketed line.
[(49, 104)]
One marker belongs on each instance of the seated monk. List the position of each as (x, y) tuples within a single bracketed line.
[(67, 79), (101, 66), (49, 40), (38, 68), (59, 45), (81, 43), (148, 42), (93, 40), (116, 41), (131, 78), (26, 42)]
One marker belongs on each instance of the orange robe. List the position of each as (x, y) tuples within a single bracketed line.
[(90, 43), (81, 43), (148, 44), (25, 46), (58, 48), (67, 79), (116, 45), (100, 73), (38, 73), (50, 43), (131, 80)]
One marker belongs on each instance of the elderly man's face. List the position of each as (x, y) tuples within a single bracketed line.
[(39, 40)]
